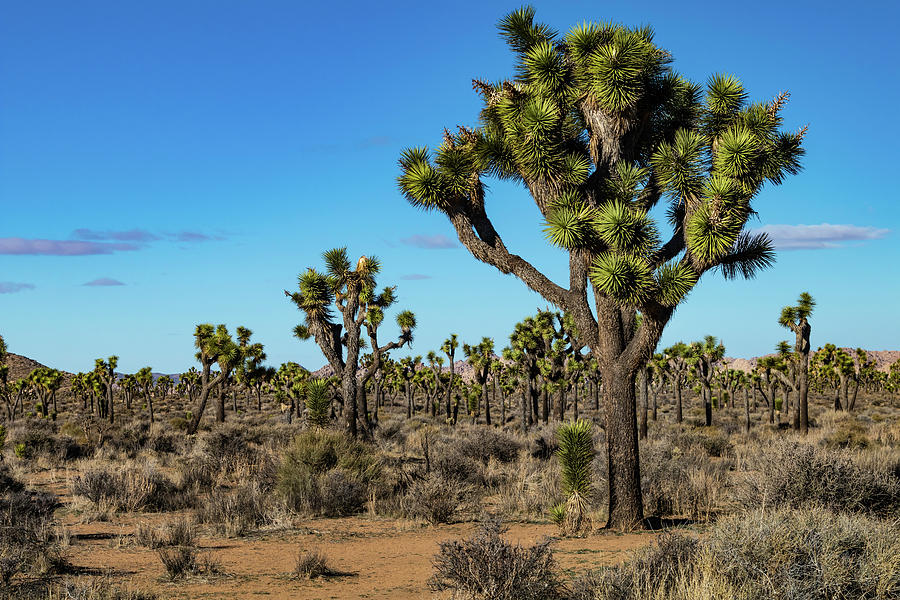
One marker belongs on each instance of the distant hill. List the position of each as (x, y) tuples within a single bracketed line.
[(883, 359)]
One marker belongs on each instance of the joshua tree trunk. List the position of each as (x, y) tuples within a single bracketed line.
[(409, 400), (561, 403), (626, 509), (450, 385), (485, 394), (149, 397), (679, 416), (526, 400), (220, 403), (642, 431), (707, 404), (575, 402), (852, 403), (746, 411), (545, 405)]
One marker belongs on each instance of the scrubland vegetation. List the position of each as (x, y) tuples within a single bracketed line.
[(765, 513), (780, 479)]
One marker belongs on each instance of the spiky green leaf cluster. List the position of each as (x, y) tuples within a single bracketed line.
[(317, 401), (599, 128), (576, 454)]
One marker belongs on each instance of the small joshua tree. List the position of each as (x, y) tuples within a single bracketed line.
[(796, 318), (144, 379), (318, 402), (105, 382), (576, 453)]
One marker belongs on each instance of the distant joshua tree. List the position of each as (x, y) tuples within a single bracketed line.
[(352, 292), (144, 378), (214, 346), (106, 380), (449, 348), (796, 318), (480, 356)]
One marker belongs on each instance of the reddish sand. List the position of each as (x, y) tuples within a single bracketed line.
[(381, 558)]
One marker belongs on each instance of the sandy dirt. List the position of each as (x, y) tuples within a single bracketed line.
[(380, 558)]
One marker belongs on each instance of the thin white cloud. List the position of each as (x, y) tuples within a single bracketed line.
[(815, 237)]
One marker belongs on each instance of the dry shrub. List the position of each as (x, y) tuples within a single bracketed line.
[(483, 444), (709, 441), (847, 432), (130, 488), (235, 512), (312, 564), (437, 500), (812, 554), (486, 566), (28, 545), (531, 487), (797, 474), (178, 560), (99, 589), (678, 484)]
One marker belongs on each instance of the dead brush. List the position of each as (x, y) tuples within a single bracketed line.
[(312, 564)]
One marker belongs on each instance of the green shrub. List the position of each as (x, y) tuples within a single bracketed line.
[(326, 472), (22, 450)]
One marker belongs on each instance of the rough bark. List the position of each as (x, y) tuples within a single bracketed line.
[(626, 510), (642, 423)]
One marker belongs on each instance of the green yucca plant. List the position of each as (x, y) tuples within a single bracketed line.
[(318, 404), (576, 453)]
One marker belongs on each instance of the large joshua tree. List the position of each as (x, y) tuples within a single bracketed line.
[(352, 292), (599, 129), (796, 318)]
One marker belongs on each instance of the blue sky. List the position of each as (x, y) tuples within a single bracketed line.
[(168, 163)]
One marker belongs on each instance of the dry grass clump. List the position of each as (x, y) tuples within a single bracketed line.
[(676, 483), (438, 500), (486, 566), (312, 564), (181, 561), (811, 554), (129, 487), (28, 545), (98, 589), (796, 474), (181, 532), (236, 512)]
